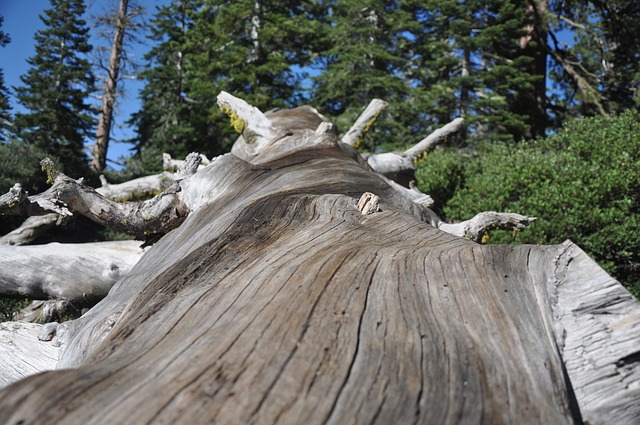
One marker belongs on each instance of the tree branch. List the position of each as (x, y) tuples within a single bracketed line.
[(435, 138), (160, 214), (477, 228), (354, 136), (591, 94), (30, 230)]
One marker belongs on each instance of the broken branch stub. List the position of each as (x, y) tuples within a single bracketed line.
[(246, 120), (368, 203), (363, 124)]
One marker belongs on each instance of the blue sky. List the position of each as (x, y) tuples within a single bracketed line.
[(21, 22)]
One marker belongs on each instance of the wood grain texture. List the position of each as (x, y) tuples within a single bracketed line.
[(278, 302), (19, 347)]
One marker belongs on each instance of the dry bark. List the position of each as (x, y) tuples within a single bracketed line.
[(22, 353), (278, 301)]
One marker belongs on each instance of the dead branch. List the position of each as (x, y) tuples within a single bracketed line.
[(30, 230), (478, 227), (435, 138), (364, 122), (158, 215)]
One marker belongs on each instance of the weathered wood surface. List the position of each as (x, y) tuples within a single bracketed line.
[(79, 273), (22, 353), (598, 331), (278, 301)]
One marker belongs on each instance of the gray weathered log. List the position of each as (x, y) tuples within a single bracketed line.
[(277, 301), (80, 273), (30, 230)]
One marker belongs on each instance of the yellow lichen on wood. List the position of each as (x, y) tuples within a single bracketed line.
[(237, 123), (365, 130), (49, 167)]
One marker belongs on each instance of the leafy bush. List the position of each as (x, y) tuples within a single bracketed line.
[(441, 173), (20, 163), (583, 184)]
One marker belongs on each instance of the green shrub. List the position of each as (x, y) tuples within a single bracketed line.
[(441, 173), (583, 184), (20, 163)]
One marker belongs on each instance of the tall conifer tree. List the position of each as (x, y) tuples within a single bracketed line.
[(599, 72), (5, 107), (469, 59), (57, 86), (360, 64), (172, 119), (248, 48)]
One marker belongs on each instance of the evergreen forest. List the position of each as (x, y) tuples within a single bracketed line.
[(548, 90)]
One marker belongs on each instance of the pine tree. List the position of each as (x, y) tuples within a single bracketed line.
[(248, 48), (599, 73), (57, 86), (170, 120), (5, 107), (473, 59), (360, 64)]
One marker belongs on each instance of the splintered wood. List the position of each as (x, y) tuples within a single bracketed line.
[(368, 203)]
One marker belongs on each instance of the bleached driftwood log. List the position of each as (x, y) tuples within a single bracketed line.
[(132, 190), (30, 230), (80, 273), (157, 215), (278, 301)]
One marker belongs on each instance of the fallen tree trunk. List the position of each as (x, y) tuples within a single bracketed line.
[(82, 274), (278, 300)]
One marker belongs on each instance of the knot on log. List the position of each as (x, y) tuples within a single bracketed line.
[(368, 203)]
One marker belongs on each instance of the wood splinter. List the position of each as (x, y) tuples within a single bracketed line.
[(368, 203)]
